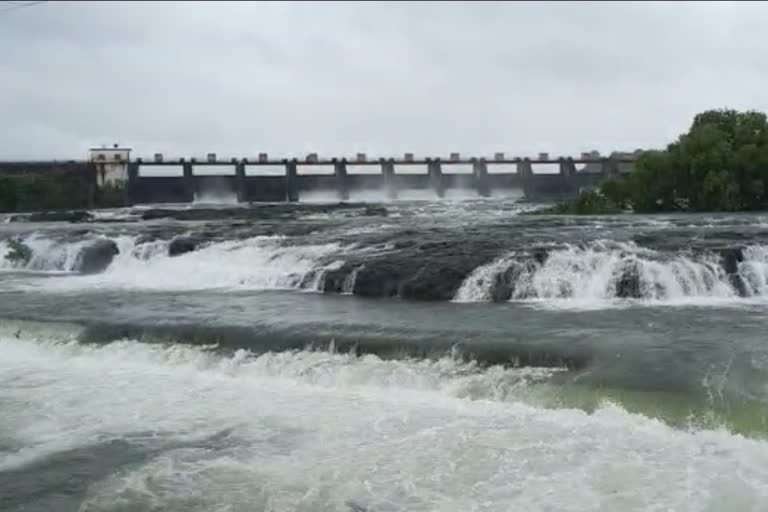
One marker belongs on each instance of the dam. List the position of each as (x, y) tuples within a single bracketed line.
[(265, 179), (288, 179)]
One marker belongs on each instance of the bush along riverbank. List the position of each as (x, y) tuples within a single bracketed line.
[(719, 165)]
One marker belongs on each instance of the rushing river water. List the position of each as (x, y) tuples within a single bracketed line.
[(410, 356)]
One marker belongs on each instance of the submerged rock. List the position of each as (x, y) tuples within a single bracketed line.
[(433, 282), (333, 281), (504, 283), (431, 271), (731, 257), (194, 213), (184, 244), (64, 216), (628, 283), (96, 257), (375, 211), (380, 279), (540, 255), (256, 212), (502, 287)]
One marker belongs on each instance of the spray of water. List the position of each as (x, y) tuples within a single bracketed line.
[(46, 254), (255, 263), (604, 272), (277, 432)]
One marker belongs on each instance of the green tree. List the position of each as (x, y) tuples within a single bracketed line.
[(720, 164), (9, 197)]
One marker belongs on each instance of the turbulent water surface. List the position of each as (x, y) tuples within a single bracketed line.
[(409, 356)]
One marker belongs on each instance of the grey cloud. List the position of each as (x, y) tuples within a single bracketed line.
[(238, 78)]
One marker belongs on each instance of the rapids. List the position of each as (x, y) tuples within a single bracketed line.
[(408, 355)]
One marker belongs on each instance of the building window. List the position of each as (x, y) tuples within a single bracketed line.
[(118, 157), (101, 157)]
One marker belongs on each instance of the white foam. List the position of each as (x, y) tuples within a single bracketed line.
[(368, 195), (313, 431), (47, 255), (116, 214), (417, 195), (477, 286), (510, 193), (319, 196), (216, 197), (592, 274), (5, 250), (460, 194), (754, 270), (255, 263), (588, 277)]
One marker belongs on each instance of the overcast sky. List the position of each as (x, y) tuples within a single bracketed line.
[(385, 78)]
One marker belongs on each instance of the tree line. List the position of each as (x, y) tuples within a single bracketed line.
[(22, 193), (720, 164)]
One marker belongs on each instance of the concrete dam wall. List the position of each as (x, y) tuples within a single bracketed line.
[(264, 180), (289, 180)]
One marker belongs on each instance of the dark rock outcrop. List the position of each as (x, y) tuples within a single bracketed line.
[(257, 212), (333, 281), (381, 278), (504, 283), (96, 256), (628, 283), (502, 287), (184, 244), (429, 271), (434, 282), (731, 257), (63, 216), (540, 255), (374, 211)]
